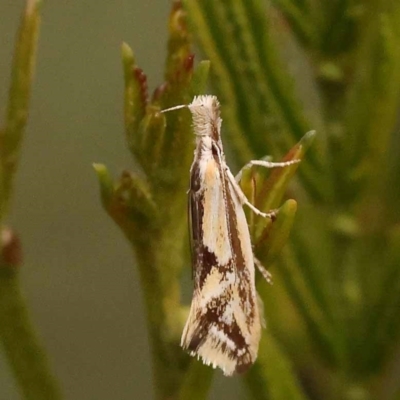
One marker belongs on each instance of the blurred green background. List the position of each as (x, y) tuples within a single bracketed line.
[(78, 277), (77, 274)]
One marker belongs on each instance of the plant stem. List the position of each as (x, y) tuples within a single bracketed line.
[(159, 251), (24, 353), (17, 111)]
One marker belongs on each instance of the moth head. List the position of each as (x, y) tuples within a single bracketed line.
[(205, 112), (205, 106)]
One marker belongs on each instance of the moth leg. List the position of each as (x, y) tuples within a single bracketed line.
[(266, 164), (270, 164), (243, 199), (265, 273)]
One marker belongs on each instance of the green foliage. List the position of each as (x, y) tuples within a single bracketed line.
[(21, 345), (17, 111), (25, 354), (333, 326), (339, 275)]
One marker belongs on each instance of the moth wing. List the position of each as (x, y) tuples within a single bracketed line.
[(223, 323), (194, 217)]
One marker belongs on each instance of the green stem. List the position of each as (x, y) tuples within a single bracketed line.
[(26, 356), (157, 253), (19, 94)]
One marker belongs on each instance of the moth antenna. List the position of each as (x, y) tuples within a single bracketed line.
[(174, 108)]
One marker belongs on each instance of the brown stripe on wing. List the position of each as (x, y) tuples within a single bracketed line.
[(204, 336), (195, 215), (202, 259), (236, 248), (245, 287)]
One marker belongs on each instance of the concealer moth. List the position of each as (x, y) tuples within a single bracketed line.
[(224, 323)]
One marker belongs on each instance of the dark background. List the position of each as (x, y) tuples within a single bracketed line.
[(78, 276)]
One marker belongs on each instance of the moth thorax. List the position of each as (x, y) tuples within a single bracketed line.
[(206, 144)]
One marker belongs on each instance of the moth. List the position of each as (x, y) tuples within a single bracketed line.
[(224, 323)]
